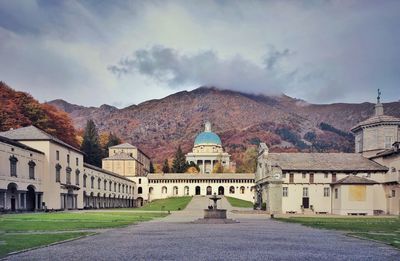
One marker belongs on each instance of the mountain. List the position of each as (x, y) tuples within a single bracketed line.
[(241, 120)]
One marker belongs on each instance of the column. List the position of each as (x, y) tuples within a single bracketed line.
[(36, 201), (5, 200), (212, 165), (18, 205), (24, 199), (204, 167)]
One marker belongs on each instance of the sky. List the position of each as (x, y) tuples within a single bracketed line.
[(126, 52)]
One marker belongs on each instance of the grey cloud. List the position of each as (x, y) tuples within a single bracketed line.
[(206, 68)]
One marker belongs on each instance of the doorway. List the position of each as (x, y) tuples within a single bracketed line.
[(197, 190), (306, 202), (30, 199), (221, 190)]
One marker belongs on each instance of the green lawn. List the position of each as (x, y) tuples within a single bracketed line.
[(174, 203), (386, 230), (12, 243), (27, 224), (240, 203), (62, 221)]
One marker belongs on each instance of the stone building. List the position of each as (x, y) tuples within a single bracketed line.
[(39, 171), (362, 183), (207, 151)]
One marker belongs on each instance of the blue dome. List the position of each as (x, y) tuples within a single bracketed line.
[(207, 137)]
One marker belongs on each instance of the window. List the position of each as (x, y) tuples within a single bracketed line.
[(109, 188), (92, 182), (77, 172), (285, 191), (140, 181), (139, 190), (305, 192), (333, 177), (311, 178), (68, 172), (291, 178), (32, 165), (326, 175), (231, 190), (84, 180), (388, 142), (336, 193), (13, 166), (115, 187), (68, 158), (393, 193), (58, 173), (57, 155), (242, 190), (119, 188), (304, 175), (164, 190), (77, 161), (326, 192), (99, 183), (105, 184)]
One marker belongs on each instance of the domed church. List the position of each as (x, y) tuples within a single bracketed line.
[(207, 151)]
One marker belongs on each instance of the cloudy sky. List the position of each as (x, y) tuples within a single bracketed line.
[(126, 52)]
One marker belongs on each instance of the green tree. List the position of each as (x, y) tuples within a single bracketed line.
[(151, 168), (91, 145), (165, 168), (179, 164)]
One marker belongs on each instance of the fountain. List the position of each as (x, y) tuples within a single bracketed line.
[(213, 215)]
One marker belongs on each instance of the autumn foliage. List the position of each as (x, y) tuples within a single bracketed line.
[(19, 109)]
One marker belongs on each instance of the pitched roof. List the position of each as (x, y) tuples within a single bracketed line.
[(120, 156), (34, 133), (344, 162), (18, 144), (124, 146), (352, 179), (376, 120)]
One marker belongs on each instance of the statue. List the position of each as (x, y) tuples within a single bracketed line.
[(379, 96)]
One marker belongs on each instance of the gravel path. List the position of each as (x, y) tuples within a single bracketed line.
[(251, 239)]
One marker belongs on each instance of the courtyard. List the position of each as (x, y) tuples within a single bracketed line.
[(174, 237)]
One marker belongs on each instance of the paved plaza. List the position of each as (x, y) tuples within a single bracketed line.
[(174, 238)]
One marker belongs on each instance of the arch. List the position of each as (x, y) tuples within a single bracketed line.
[(139, 202), (164, 190), (151, 190), (186, 191), (221, 190), (231, 190), (30, 198), (12, 195), (175, 190), (209, 190), (140, 190), (198, 190), (242, 190)]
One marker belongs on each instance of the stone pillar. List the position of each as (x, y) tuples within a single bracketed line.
[(24, 199), (36, 201), (18, 205), (5, 200)]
